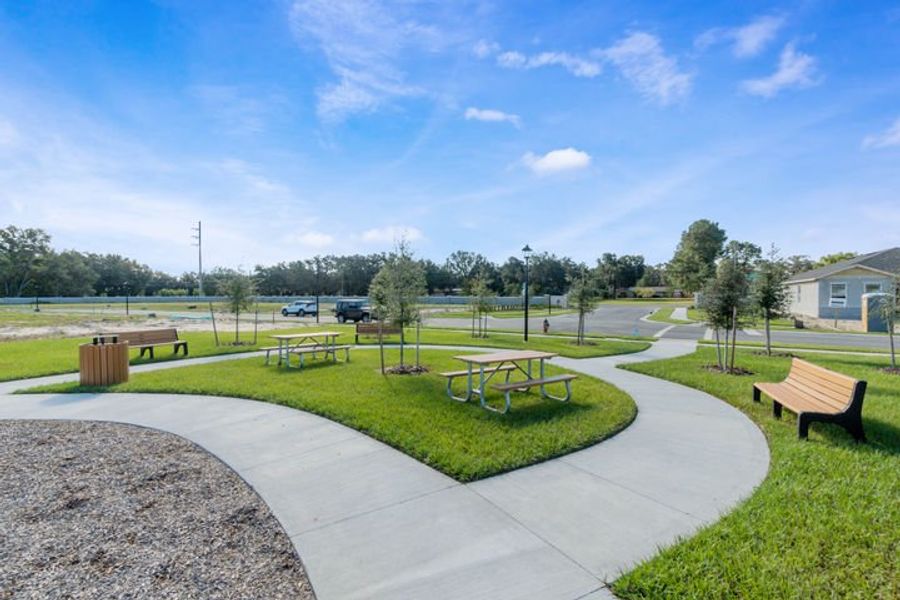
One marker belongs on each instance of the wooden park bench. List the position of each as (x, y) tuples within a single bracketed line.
[(147, 339), (372, 330), (817, 394)]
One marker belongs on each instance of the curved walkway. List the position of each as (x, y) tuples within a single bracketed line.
[(370, 522)]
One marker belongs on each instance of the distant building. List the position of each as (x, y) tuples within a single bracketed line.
[(834, 293)]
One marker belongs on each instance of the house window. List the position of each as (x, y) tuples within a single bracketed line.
[(872, 287), (838, 294)]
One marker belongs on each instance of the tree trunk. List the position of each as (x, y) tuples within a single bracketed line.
[(719, 350), (891, 338), (417, 345), (237, 334), (381, 343), (734, 328), (402, 340), (768, 335), (473, 322)]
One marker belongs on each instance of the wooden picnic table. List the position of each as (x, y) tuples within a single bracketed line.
[(313, 342), (507, 362)]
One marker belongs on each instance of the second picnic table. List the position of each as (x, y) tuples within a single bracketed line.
[(485, 366), (314, 342)]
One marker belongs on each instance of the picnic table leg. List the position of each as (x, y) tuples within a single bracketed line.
[(469, 383), (481, 384), (543, 391)]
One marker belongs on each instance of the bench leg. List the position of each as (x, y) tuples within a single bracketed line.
[(565, 398), (450, 392), (151, 352), (855, 427), (346, 354), (803, 421), (756, 394), (497, 410), (776, 409)]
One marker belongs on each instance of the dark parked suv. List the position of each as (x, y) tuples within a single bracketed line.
[(352, 310)]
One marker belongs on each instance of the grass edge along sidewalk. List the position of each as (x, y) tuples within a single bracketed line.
[(22, 359), (411, 413), (824, 523)]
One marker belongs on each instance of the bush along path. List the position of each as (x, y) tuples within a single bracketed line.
[(371, 522)]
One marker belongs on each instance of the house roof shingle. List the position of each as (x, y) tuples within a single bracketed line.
[(883, 260)]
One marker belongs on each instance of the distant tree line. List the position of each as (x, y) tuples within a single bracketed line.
[(29, 266)]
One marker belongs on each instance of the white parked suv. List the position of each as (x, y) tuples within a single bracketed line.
[(300, 308)]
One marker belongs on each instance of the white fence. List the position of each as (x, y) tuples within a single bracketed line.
[(503, 301)]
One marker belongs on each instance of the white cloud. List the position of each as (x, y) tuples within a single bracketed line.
[(364, 43), (575, 65), (484, 48), (886, 139), (492, 116), (641, 60), (391, 233), (557, 161), (795, 70), (237, 111), (748, 40)]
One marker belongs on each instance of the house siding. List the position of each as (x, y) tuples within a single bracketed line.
[(804, 299), (855, 288)]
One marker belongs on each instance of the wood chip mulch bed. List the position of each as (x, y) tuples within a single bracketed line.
[(103, 510)]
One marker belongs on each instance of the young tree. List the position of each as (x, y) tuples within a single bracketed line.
[(395, 291), (583, 297), (770, 295), (240, 292), (695, 258), (481, 306), (888, 312), (725, 300)]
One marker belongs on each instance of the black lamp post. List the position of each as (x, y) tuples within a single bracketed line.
[(125, 285), (526, 251)]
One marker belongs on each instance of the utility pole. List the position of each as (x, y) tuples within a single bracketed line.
[(198, 236)]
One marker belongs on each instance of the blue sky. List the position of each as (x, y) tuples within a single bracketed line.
[(310, 127)]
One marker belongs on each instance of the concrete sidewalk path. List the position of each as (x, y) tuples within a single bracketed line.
[(371, 522)]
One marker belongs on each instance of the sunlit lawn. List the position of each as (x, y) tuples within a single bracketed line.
[(826, 521)]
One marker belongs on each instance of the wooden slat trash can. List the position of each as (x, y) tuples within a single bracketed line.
[(104, 361)]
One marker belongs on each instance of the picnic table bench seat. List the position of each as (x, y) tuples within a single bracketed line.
[(314, 349), (147, 339), (817, 394)]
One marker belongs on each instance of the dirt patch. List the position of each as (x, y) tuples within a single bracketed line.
[(406, 370), (739, 371), (891, 370), (774, 354), (91, 510)]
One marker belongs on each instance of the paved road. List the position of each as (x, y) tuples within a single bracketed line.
[(370, 522), (626, 320)]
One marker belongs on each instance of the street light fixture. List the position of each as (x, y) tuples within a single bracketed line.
[(526, 252)]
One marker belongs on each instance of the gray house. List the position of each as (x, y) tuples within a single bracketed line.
[(834, 293)]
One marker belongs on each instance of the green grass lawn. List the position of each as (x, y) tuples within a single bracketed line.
[(802, 346), (564, 345), (412, 412), (826, 521), (664, 315), (20, 359)]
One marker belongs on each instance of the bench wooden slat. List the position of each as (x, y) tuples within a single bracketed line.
[(515, 385), (476, 371), (803, 366), (833, 404), (826, 387)]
